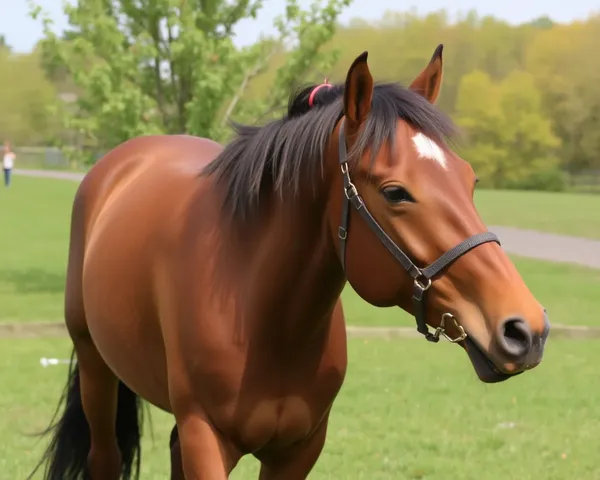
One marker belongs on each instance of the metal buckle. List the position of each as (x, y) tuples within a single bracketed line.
[(441, 330), (353, 191)]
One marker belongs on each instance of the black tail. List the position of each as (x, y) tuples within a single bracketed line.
[(66, 455)]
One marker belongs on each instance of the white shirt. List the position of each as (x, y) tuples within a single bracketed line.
[(9, 160)]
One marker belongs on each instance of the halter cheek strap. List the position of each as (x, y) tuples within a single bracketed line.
[(422, 277)]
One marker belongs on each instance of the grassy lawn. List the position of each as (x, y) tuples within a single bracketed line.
[(565, 213), (35, 215), (34, 221), (408, 410), (568, 292)]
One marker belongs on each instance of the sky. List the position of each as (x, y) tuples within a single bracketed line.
[(22, 32)]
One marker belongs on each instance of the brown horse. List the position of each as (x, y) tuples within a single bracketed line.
[(207, 280)]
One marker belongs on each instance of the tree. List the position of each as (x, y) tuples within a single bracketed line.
[(543, 23), (401, 42), (26, 97), (567, 71), (167, 66), (510, 141), (531, 145), (479, 114), (4, 46)]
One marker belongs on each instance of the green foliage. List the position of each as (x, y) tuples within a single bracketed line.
[(3, 45), (402, 43), (165, 66), (528, 96), (536, 111), (566, 66), (26, 97), (511, 143)]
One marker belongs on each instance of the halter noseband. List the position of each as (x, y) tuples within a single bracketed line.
[(422, 277)]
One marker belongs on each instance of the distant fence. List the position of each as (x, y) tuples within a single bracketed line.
[(44, 158), (41, 157), (585, 182)]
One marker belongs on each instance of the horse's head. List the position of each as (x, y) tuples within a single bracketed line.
[(408, 233)]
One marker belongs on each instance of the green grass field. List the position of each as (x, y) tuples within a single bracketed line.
[(35, 215), (408, 410), (565, 213)]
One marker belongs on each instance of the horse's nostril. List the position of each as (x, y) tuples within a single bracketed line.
[(515, 337)]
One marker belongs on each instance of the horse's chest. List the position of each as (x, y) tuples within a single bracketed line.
[(276, 423), (268, 421)]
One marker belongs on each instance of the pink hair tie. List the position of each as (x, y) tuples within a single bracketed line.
[(311, 98)]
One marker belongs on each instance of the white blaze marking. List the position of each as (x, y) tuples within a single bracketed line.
[(427, 148)]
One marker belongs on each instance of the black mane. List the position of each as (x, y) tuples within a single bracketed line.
[(275, 157)]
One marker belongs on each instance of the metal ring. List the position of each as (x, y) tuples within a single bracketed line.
[(442, 331), (421, 286)]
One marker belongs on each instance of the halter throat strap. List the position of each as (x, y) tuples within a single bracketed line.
[(422, 277)]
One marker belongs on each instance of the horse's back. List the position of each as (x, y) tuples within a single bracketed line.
[(151, 160), (137, 188), (128, 210)]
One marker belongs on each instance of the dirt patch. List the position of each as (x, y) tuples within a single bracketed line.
[(33, 330)]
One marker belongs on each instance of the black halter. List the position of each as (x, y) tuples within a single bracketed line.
[(422, 277)]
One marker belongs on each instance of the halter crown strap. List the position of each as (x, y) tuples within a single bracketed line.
[(422, 277)]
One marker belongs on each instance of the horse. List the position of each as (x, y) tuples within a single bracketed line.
[(206, 279)]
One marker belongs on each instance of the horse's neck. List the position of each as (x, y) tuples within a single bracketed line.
[(295, 265)]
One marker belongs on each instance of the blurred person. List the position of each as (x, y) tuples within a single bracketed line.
[(8, 162)]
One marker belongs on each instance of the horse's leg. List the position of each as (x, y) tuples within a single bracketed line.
[(204, 454), (98, 386), (296, 462), (176, 466), (99, 394)]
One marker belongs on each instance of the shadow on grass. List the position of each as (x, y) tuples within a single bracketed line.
[(34, 280)]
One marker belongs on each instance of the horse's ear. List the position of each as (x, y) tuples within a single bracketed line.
[(429, 82), (358, 93)]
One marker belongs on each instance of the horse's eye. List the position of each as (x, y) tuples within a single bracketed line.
[(396, 194)]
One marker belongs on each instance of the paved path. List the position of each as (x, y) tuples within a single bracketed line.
[(549, 246), (49, 174), (527, 243)]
